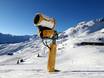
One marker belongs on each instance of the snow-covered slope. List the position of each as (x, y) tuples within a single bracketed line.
[(84, 28), (86, 31), (74, 61)]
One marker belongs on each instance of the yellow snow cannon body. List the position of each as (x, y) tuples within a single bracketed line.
[(46, 27)]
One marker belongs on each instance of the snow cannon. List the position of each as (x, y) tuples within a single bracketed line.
[(46, 27), (44, 21)]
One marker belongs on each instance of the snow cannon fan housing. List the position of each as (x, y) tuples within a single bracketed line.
[(46, 26)]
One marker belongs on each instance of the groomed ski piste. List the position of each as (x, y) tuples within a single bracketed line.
[(73, 60)]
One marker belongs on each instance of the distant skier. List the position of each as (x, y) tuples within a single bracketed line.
[(38, 55), (18, 61)]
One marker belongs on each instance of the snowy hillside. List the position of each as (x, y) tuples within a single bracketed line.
[(88, 31), (84, 28), (74, 61)]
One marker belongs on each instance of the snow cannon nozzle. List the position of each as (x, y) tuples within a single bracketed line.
[(36, 19), (44, 21)]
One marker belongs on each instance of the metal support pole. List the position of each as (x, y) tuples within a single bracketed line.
[(52, 56)]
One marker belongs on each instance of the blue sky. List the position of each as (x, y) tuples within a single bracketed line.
[(16, 16)]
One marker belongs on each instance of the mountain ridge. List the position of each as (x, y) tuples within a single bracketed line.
[(84, 28)]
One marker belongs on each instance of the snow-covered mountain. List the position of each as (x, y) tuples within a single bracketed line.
[(84, 28), (86, 31), (74, 61), (8, 38)]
